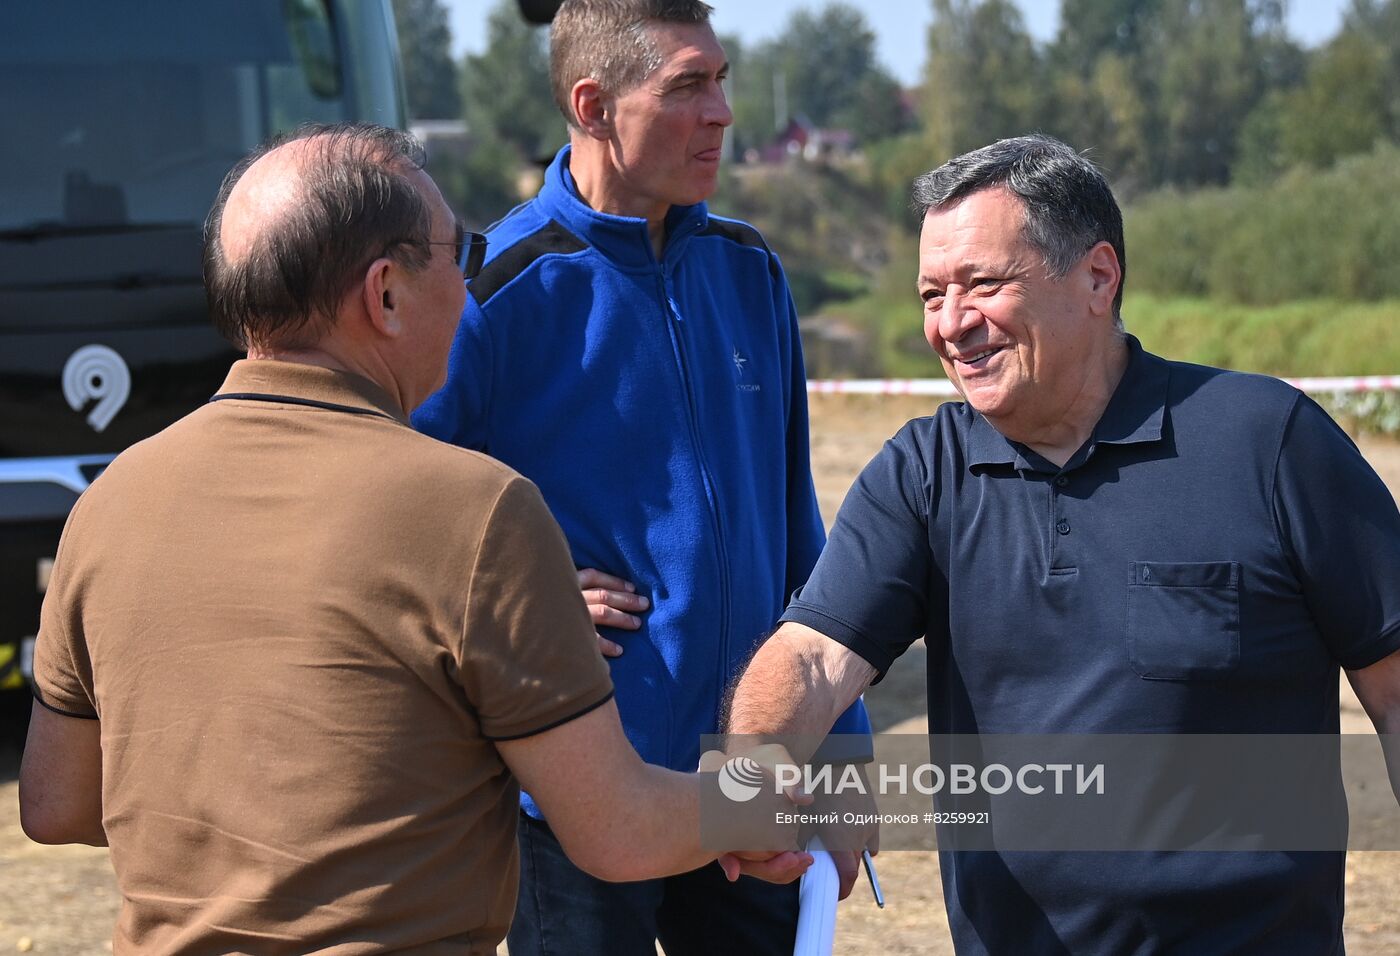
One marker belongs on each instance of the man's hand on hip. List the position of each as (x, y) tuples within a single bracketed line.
[(612, 602)]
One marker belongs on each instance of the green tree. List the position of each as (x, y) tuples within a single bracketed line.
[(1090, 29), (506, 87), (1380, 20), (482, 185), (876, 110), (1342, 108), (1106, 109), (1211, 77), (1260, 156), (1103, 94), (983, 77), (833, 77), (425, 45), (823, 65)]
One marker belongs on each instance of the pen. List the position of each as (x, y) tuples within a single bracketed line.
[(874, 880)]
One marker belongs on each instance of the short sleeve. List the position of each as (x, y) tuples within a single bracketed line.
[(62, 664), (870, 588), (529, 658), (1339, 525)]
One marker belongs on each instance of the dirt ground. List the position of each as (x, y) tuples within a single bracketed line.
[(63, 901)]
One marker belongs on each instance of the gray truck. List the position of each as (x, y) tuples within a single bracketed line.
[(119, 119)]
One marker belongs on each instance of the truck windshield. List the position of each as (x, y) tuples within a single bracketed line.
[(121, 115)]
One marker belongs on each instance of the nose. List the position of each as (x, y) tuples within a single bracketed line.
[(718, 112), (957, 317)]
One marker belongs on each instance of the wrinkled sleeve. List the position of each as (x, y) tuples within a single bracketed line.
[(529, 655), (870, 589), (62, 664), (458, 412), (1340, 528)]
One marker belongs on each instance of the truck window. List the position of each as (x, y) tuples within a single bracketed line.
[(131, 113)]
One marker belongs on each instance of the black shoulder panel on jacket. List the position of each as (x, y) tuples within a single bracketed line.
[(553, 239), (740, 232)]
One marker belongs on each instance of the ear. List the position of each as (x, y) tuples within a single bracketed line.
[(1105, 274), (592, 108), (381, 294)]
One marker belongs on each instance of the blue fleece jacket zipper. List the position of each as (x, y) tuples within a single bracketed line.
[(711, 489)]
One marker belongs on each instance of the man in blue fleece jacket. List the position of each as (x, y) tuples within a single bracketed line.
[(639, 360)]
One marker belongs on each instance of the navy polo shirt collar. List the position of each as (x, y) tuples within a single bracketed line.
[(623, 239), (1134, 415), (987, 446)]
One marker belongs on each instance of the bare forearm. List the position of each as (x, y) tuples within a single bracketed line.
[(779, 694), (60, 780), (1390, 744), (1378, 689), (1387, 725), (655, 829), (797, 684), (617, 817)]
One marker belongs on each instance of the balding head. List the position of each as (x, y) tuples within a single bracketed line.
[(268, 190), (297, 222)]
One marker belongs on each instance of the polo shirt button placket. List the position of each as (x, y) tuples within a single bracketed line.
[(1061, 558)]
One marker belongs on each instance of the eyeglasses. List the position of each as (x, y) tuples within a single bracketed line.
[(469, 249)]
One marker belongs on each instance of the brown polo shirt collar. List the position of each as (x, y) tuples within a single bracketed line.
[(292, 383)]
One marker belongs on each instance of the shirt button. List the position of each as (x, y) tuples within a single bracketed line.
[(1062, 526), (1062, 481)]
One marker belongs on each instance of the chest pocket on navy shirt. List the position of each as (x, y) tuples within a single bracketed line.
[(1184, 619)]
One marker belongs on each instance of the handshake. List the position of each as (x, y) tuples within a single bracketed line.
[(755, 807)]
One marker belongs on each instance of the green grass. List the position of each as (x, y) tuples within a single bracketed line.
[(1318, 337)]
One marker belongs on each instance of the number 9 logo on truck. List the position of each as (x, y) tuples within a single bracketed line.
[(96, 372)]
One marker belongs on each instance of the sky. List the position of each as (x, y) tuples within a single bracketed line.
[(900, 25)]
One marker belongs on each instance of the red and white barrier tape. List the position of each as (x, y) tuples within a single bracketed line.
[(882, 386), (1365, 383), (943, 387)]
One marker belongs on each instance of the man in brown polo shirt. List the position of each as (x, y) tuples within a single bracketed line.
[(295, 656)]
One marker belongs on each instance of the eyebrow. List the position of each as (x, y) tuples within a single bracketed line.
[(689, 75), (1002, 270)]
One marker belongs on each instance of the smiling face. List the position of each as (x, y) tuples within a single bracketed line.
[(667, 131), (1018, 344)]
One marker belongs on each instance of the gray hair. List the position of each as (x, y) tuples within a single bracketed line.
[(1068, 204), (608, 41), (356, 204)]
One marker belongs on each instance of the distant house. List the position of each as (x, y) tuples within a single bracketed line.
[(802, 139)]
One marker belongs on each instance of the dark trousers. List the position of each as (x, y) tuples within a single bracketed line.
[(562, 911)]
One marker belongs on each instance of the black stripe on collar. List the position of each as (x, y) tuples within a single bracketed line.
[(294, 400)]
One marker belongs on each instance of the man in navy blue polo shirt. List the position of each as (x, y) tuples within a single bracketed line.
[(1096, 541)]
